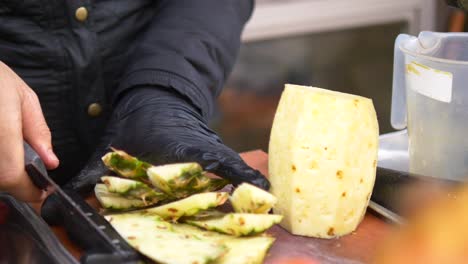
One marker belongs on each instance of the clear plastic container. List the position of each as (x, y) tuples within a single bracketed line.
[(430, 99)]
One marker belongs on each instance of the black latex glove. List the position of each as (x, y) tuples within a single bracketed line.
[(160, 126)]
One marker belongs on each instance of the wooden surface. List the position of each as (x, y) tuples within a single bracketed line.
[(357, 247)]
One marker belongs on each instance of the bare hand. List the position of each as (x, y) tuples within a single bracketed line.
[(21, 118)]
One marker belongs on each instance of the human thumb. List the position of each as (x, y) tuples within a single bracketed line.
[(35, 129)]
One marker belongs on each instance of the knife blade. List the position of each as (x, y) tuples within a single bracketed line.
[(397, 194), (84, 226)]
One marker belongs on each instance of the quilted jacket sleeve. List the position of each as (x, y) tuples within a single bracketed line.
[(189, 46)]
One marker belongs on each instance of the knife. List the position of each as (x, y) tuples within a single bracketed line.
[(87, 228), (397, 194)]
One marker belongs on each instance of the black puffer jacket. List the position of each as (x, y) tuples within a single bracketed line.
[(78, 56)]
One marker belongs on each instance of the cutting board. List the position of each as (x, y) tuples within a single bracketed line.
[(357, 247)]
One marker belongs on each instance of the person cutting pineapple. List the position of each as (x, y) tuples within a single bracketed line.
[(78, 77)]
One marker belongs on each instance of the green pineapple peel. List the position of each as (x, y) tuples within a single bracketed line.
[(133, 189), (187, 195), (188, 206), (240, 250), (246, 250), (125, 165), (236, 224), (157, 240), (248, 198), (153, 232), (113, 201), (177, 180), (183, 179)]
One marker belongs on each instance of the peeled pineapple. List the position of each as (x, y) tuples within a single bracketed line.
[(322, 160)]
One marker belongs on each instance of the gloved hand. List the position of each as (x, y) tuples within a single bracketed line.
[(160, 126)]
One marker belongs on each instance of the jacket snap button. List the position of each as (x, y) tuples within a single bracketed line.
[(94, 109), (81, 14)]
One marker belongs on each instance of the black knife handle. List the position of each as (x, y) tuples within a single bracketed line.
[(35, 167), (85, 227), (89, 230)]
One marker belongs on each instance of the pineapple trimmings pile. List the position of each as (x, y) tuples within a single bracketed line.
[(153, 184), (176, 220)]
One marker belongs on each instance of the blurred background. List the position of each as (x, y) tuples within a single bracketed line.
[(345, 46)]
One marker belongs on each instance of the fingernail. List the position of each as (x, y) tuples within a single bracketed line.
[(44, 195), (52, 155)]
